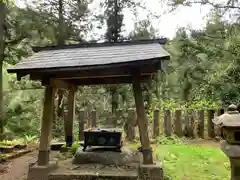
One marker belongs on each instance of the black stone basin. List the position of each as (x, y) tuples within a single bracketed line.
[(103, 138)]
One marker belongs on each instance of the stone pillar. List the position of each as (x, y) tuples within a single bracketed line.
[(46, 127), (233, 153), (70, 118)]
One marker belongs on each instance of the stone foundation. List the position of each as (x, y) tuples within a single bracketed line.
[(68, 171), (150, 172), (92, 176), (98, 156), (41, 172)]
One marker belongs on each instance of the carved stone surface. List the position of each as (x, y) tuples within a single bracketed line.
[(99, 156), (228, 125), (233, 152)]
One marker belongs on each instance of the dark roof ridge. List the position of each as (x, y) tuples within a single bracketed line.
[(104, 44)]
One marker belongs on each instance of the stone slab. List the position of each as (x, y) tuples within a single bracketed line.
[(66, 171), (41, 172), (94, 176), (107, 157), (151, 171)]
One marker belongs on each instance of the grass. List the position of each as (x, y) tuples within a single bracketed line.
[(190, 162)]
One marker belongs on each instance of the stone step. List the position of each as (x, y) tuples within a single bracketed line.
[(114, 175)]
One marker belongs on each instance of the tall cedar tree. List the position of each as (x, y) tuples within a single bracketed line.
[(2, 44), (114, 19)]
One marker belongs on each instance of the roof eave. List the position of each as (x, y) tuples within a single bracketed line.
[(75, 68), (160, 41)]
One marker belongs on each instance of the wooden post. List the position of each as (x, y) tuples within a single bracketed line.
[(201, 124), (186, 122), (81, 125), (217, 129), (211, 133), (70, 118), (65, 119), (190, 114), (142, 121), (130, 125), (93, 118), (167, 123), (156, 123), (178, 123), (46, 127)]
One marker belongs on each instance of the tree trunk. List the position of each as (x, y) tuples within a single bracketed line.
[(2, 43), (60, 109), (114, 95), (61, 41)]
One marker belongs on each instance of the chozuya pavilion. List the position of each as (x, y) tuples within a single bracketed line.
[(69, 66)]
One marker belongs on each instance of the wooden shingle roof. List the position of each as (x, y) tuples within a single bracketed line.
[(90, 57)]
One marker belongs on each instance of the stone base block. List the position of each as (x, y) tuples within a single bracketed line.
[(41, 172), (150, 172), (93, 176), (107, 157)]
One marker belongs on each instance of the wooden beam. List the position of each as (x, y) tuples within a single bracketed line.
[(142, 120), (146, 69), (59, 84), (46, 128), (108, 80), (70, 118)]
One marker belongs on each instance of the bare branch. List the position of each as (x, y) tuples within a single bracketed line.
[(207, 2)]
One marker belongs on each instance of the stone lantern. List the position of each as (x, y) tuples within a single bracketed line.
[(229, 124)]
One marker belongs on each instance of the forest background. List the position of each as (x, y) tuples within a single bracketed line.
[(203, 71)]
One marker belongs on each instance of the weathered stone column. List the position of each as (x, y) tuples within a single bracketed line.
[(233, 152), (229, 125), (46, 127)]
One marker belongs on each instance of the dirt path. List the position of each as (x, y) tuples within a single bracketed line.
[(17, 169)]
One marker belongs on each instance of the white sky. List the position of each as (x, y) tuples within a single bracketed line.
[(168, 23)]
